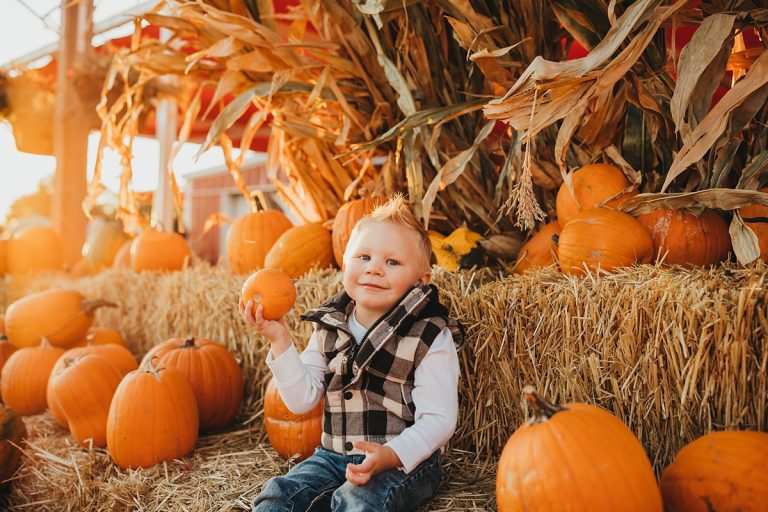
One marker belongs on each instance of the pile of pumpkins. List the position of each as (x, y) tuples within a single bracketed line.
[(581, 457), (51, 357), (590, 232)]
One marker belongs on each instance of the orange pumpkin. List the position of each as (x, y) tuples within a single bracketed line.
[(152, 418), (213, 372), (34, 249), (102, 336), (3, 256), (60, 315), (273, 289), (577, 455), (718, 471), (122, 259), (291, 434), (25, 376), (117, 355), (541, 250), (12, 433), (300, 249), (6, 349), (603, 238), (758, 212), (681, 238), (82, 388), (102, 245), (345, 220), (2, 325), (250, 238), (592, 184), (159, 250)]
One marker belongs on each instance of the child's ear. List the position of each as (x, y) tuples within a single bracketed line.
[(426, 278)]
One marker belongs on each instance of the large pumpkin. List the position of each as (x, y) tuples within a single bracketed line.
[(61, 316), (82, 389), (213, 372), (602, 238), (541, 250), (681, 238), (250, 238), (346, 218), (159, 250), (291, 434), (24, 378), (34, 249), (152, 418), (12, 432), (756, 218), (718, 471), (271, 288), (592, 184), (117, 355), (300, 249), (102, 245), (574, 457)]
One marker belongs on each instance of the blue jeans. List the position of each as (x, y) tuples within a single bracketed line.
[(318, 483)]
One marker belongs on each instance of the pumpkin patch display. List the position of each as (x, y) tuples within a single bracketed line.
[(60, 315), (250, 238), (592, 185), (117, 355), (33, 249), (159, 250), (82, 389), (756, 218), (3, 256), (300, 249), (12, 433), (574, 457), (152, 418), (345, 220), (718, 471), (271, 288), (24, 378), (681, 238), (604, 239), (291, 434), (213, 372), (541, 250)]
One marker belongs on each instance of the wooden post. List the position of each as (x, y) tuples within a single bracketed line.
[(163, 210), (72, 123)]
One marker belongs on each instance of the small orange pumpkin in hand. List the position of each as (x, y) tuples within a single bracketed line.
[(273, 289)]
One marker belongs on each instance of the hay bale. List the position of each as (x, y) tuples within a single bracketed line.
[(673, 353)]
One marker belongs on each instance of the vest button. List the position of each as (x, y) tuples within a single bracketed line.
[(348, 446), (347, 395)]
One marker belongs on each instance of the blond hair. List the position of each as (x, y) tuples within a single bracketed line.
[(397, 211)]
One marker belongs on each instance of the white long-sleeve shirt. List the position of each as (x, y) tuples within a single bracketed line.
[(299, 379)]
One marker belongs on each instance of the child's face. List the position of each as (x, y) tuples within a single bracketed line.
[(383, 262)]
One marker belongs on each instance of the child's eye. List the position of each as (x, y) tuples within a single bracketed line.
[(392, 262), (364, 257)]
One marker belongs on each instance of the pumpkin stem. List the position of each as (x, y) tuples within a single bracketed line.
[(89, 306), (149, 366), (189, 342), (541, 409)]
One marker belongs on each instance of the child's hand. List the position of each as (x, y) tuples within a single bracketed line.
[(274, 331), (378, 458)]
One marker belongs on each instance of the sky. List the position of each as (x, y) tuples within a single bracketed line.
[(21, 33)]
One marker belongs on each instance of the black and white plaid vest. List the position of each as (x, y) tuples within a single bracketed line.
[(368, 386)]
